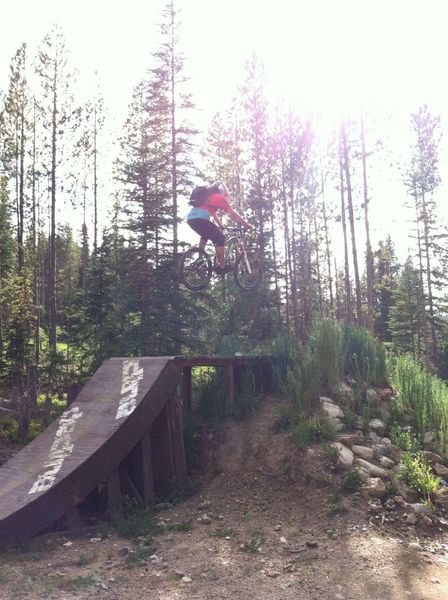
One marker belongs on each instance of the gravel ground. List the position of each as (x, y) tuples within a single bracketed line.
[(265, 524)]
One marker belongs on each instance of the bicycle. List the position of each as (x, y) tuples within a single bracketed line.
[(197, 267)]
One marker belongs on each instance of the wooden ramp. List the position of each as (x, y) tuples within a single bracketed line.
[(123, 429)]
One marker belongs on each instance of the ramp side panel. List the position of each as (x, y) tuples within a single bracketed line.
[(110, 415)]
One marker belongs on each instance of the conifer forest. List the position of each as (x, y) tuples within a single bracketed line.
[(88, 260)]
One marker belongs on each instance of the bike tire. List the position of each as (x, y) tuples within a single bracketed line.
[(248, 279), (195, 269)]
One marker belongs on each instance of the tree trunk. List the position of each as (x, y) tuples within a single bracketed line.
[(348, 293), (369, 255), (352, 226)]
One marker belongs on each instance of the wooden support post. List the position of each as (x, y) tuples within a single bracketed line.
[(177, 441), (72, 391), (114, 493), (73, 519), (230, 387), (146, 470), (186, 389)]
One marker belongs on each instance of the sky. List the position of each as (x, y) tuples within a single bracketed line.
[(329, 55)]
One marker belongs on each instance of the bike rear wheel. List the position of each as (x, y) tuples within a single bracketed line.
[(195, 269), (248, 271)]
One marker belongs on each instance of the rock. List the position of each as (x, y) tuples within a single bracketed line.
[(420, 509), (427, 521), (349, 439), (386, 441), (363, 473), (411, 519), (443, 522), (283, 541), (332, 410), (163, 506), (376, 439), (390, 504), (386, 462), (395, 452), (441, 497), (441, 470), (336, 424), (345, 393), (374, 488), (406, 492), (204, 519), (381, 449), (325, 399), (363, 452), (277, 527), (432, 457), (377, 425), (67, 544), (400, 501), (346, 456), (187, 579), (415, 546), (371, 396), (374, 470)]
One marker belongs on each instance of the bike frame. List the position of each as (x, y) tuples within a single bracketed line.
[(238, 238)]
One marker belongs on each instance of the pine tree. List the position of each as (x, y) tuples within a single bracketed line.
[(406, 315)]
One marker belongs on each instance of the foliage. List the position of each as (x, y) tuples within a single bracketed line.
[(136, 521), (311, 430), (325, 341), (417, 474), (405, 440), (351, 481), (364, 356), (424, 397)]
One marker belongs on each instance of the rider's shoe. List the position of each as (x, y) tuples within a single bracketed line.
[(224, 270)]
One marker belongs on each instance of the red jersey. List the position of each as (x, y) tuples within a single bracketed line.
[(216, 202)]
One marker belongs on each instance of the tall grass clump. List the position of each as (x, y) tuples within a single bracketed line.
[(364, 356), (424, 397), (284, 358), (326, 345), (302, 386)]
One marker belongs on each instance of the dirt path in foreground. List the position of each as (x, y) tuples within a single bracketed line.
[(268, 527)]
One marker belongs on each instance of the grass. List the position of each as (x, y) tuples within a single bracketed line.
[(417, 474), (424, 397)]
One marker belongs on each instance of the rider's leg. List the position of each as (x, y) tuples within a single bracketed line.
[(220, 256)]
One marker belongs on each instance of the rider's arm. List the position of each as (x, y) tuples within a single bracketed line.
[(239, 219), (218, 221)]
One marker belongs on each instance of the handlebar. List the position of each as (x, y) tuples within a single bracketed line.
[(236, 229)]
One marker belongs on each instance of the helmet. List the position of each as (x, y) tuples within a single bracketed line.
[(220, 188)]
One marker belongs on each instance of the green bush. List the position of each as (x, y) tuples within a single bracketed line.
[(417, 474), (351, 481), (424, 397), (325, 343), (364, 356), (311, 430)]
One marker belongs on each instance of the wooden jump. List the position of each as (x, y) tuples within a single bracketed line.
[(122, 433)]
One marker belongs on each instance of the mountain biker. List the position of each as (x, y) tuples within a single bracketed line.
[(212, 199)]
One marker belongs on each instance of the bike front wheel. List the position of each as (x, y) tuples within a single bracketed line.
[(195, 269), (248, 271)]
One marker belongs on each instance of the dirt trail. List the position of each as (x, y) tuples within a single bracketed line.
[(269, 527)]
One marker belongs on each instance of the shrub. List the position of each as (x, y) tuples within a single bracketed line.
[(364, 356), (424, 397), (326, 346), (312, 430), (351, 480), (417, 474)]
